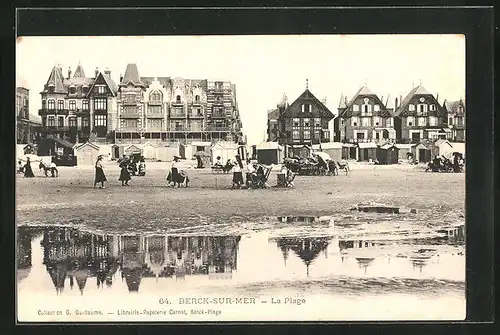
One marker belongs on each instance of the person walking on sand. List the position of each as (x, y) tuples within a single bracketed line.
[(124, 173), (173, 175), (237, 172), (28, 172), (100, 177)]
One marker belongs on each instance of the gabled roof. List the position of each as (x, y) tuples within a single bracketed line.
[(109, 82), (131, 76), (365, 92), (273, 114), (419, 90), (307, 96), (79, 146), (452, 106), (442, 141)]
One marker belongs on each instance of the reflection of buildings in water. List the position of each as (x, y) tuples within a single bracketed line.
[(23, 254), (70, 253), (133, 261), (364, 262), (357, 244), (307, 249), (419, 262)]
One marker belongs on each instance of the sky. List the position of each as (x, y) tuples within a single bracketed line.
[(262, 67)]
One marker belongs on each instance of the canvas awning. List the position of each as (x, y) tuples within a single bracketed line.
[(388, 146), (446, 130), (349, 145)]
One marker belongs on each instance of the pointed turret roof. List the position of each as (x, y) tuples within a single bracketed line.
[(79, 73), (56, 80), (389, 102), (131, 76), (342, 101)]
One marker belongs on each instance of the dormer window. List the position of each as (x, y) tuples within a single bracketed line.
[(85, 89), (72, 89), (178, 99), (197, 98), (376, 108), (355, 108), (366, 109), (432, 107), (52, 104), (306, 108)]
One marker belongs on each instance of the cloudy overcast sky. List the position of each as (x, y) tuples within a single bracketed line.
[(262, 67)]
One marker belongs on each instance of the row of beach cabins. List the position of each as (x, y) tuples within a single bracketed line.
[(265, 153)]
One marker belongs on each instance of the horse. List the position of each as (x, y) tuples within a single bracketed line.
[(342, 166), (46, 169)]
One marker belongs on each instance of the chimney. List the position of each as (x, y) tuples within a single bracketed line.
[(96, 72), (396, 105), (437, 97), (121, 77), (107, 72), (69, 72)]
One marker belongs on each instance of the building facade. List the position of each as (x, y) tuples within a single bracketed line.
[(419, 116), (77, 108), (365, 118), (28, 131), (304, 122), (456, 119), (175, 109)]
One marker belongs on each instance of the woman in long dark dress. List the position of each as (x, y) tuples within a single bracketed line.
[(99, 173), (28, 172), (124, 173)]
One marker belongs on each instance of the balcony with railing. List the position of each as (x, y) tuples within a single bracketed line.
[(196, 115), (177, 113), (130, 114), (217, 128), (154, 115), (45, 111), (218, 115), (82, 112)]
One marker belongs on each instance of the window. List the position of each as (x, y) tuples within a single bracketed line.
[(354, 121), (450, 121), (410, 121), (366, 110), (25, 102), (85, 122), (178, 99), (156, 97), (422, 121), (85, 89), (342, 122), (360, 136), (326, 135), (100, 104), (376, 108), (155, 110), (317, 122), (130, 124), (52, 104), (100, 120), (101, 89), (355, 108), (60, 121), (306, 122), (198, 111), (72, 105), (155, 123), (460, 121), (432, 107), (72, 122), (366, 122), (317, 134), (376, 121), (306, 108), (60, 104), (52, 121), (433, 121), (307, 135), (296, 122), (411, 107), (197, 98), (44, 121), (389, 122), (421, 110), (85, 105), (296, 135), (130, 97), (72, 90)]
